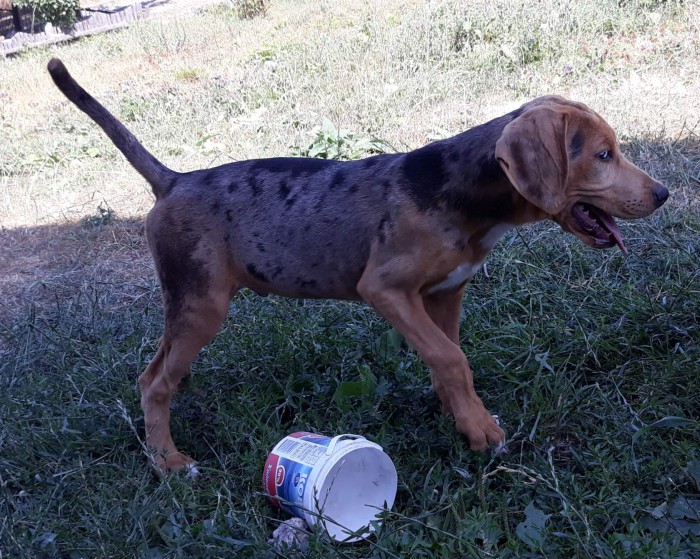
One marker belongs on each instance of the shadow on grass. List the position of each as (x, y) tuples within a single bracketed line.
[(44, 265)]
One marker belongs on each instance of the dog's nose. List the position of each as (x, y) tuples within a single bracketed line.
[(661, 195)]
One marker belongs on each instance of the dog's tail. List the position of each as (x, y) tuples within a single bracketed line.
[(157, 174)]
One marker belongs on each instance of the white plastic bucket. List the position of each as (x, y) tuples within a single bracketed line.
[(339, 482)]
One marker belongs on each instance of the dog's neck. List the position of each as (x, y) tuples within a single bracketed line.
[(461, 175)]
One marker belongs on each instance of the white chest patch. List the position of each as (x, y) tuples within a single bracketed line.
[(494, 235), (456, 277)]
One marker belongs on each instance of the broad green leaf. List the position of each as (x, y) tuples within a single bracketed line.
[(672, 421), (664, 422), (388, 344), (348, 390), (530, 530), (683, 507), (660, 511), (673, 525)]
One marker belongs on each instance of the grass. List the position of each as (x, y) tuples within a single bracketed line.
[(590, 358)]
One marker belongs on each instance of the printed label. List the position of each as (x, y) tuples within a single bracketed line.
[(269, 477), (279, 476), (301, 451), (288, 468)]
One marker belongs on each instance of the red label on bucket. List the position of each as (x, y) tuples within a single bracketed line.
[(279, 476), (269, 476), (288, 467)]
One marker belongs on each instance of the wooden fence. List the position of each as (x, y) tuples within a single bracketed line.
[(34, 33)]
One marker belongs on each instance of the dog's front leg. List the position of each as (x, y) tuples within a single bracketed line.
[(444, 308), (452, 376)]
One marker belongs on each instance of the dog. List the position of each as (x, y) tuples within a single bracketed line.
[(404, 232)]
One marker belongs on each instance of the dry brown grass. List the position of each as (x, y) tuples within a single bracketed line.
[(44, 267)]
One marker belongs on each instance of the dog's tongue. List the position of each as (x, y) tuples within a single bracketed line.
[(609, 223)]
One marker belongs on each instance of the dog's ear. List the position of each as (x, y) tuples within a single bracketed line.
[(532, 153)]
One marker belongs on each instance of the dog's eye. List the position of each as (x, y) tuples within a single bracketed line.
[(604, 155)]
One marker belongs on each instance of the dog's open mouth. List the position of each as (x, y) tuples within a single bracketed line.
[(598, 225)]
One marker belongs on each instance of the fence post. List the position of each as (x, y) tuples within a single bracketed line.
[(16, 20)]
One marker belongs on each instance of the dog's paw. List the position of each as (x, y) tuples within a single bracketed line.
[(174, 463), (481, 430)]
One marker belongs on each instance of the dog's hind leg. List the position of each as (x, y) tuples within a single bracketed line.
[(185, 333)]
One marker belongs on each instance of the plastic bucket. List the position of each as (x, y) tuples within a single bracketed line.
[(340, 482)]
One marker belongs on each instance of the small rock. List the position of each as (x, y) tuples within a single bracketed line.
[(291, 533)]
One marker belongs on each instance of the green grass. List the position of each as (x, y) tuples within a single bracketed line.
[(590, 358)]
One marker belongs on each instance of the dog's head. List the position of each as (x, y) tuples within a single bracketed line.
[(564, 158)]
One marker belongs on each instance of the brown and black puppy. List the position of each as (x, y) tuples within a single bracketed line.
[(404, 232)]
